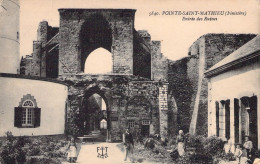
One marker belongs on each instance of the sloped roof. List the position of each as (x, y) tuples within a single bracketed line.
[(245, 52)]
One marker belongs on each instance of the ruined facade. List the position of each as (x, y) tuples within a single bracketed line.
[(145, 90), (136, 93), (187, 82)]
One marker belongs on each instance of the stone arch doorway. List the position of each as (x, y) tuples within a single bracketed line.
[(139, 116), (95, 32), (95, 114)]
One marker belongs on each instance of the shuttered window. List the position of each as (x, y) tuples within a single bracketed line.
[(217, 118), (27, 116), (236, 114), (227, 119)]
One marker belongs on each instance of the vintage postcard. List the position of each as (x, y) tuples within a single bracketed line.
[(130, 81)]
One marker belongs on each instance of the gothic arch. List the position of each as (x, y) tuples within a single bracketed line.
[(99, 61), (95, 32)]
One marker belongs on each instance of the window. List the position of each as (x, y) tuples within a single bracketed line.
[(27, 115), (145, 122), (131, 123)]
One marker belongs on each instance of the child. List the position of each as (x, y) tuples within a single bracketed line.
[(238, 153), (72, 151)]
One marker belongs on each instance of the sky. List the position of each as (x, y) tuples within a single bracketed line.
[(175, 34)]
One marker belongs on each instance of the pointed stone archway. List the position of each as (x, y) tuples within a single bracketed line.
[(92, 113)]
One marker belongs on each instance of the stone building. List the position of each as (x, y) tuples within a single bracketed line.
[(188, 84), (233, 95), (135, 93), (144, 92), (9, 36)]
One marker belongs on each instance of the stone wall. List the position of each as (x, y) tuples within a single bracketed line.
[(187, 82), (46, 36), (159, 62), (36, 58), (180, 87), (142, 54), (120, 94), (82, 31)]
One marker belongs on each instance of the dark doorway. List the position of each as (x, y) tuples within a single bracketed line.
[(145, 130)]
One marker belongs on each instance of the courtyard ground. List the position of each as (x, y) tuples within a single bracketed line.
[(88, 154)]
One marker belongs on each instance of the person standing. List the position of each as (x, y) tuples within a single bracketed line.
[(180, 143), (72, 151), (238, 153), (129, 144), (248, 145)]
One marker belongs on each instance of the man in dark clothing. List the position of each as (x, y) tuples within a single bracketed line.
[(129, 144)]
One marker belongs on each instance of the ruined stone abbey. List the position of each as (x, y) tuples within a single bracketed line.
[(146, 92)]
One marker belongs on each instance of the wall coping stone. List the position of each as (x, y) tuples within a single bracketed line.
[(18, 76)]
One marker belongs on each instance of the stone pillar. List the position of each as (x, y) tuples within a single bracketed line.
[(163, 110), (159, 65), (36, 65), (69, 57), (43, 62), (122, 42)]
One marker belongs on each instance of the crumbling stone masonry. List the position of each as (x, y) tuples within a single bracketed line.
[(127, 97), (187, 82), (136, 92)]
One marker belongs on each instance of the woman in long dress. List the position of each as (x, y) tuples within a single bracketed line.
[(180, 143), (72, 151)]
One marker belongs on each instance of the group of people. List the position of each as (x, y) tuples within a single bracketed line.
[(248, 145), (129, 144), (180, 141)]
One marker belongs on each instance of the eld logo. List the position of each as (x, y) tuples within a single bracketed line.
[(102, 152)]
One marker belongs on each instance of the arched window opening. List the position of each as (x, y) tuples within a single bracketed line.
[(27, 114), (95, 32), (99, 62)]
